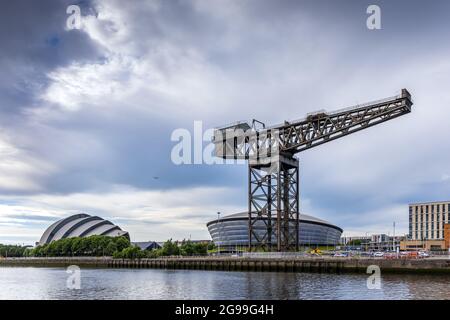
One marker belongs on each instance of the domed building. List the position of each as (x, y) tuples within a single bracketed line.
[(81, 225), (232, 230)]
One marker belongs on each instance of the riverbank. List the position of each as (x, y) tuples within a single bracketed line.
[(306, 264)]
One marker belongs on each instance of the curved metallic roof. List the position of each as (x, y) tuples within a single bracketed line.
[(80, 225), (303, 218)]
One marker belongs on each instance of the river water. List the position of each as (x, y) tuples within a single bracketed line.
[(51, 283)]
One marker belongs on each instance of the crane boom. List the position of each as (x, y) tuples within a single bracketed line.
[(240, 141), (273, 176)]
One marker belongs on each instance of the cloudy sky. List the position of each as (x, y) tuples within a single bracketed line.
[(86, 115)]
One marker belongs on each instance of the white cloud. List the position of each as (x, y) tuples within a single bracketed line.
[(19, 171)]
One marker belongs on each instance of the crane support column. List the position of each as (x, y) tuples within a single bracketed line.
[(273, 201)]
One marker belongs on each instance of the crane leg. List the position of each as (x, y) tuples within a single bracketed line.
[(273, 204)]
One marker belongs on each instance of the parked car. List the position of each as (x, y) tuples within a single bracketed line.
[(423, 254), (340, 254), (378, 254)]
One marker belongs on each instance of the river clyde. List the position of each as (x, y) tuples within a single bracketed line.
[(51, 283)]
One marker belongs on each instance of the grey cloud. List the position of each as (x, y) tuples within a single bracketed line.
[(34, 42)]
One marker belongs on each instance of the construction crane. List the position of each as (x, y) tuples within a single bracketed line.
[(273, 171)]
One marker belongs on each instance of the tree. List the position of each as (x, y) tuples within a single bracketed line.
[(111, 248), (211, 246), (95, 245), (122, 243), (76, 246), (187, 248), (132, 252), (170, 248), (201, 249), (11, 250)]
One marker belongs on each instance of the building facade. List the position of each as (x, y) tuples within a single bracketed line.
[(427, 220), (374, 242), (232, 231)]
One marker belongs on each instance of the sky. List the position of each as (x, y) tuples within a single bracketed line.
[(87, 115)]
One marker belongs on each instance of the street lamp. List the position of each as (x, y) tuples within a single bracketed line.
[(218, 226), (366, 240)]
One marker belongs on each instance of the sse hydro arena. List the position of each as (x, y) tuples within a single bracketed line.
[(232, 231)]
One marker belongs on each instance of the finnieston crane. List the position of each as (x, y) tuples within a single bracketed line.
[(273, 174)]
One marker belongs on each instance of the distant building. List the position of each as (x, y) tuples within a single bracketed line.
[(427, 245), (147, 245), (349, 240), (81, 225), (232, 231), (374, 242), (384, 242), (426, 220), (429, 227)]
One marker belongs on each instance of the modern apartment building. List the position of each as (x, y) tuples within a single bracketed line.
[(427, 220)]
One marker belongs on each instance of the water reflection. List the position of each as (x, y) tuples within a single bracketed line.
[(50, 283)]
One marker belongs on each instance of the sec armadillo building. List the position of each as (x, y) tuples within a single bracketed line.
[(232, 231), (81, 225)]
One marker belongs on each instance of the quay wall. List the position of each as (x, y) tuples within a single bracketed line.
[(325, 265)]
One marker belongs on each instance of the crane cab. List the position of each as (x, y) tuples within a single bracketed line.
[(226, 140)]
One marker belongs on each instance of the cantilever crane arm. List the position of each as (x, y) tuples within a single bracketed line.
[(315, 130), (319, 129)]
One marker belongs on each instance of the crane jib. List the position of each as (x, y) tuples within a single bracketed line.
[(240, 141)]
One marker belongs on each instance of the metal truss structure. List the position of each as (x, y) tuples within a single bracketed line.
[(273, 176), (273, 196)]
